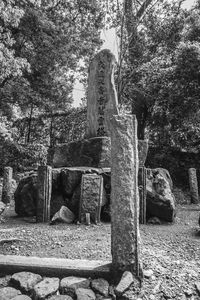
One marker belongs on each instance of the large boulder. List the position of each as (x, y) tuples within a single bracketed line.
[(25, 196), (93, 152), (160, 199)]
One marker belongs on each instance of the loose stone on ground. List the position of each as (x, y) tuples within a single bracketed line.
[(100, 286), (25, 281), (47, 287), (85, 294), (8, 293), (69, 285)]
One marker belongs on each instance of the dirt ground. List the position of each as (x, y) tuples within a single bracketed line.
[(171, 251)]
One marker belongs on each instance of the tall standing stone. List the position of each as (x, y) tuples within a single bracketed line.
[(193, 185), (7, 185), (102, 96), (44, 185), (124, 194)]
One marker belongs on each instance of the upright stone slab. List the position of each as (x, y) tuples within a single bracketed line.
[(142, 182), (193, 185), (102, 96), (91, 197), (44, 185), (7, 185), (124, 194)]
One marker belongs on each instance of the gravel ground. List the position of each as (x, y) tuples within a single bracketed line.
[(172, 252)]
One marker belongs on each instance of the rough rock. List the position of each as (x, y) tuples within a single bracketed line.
[(63, 215), (45, 288), (73, 203), (85, 294), (25, 281), (154, 221), (148, 273), (57, 201), (125, 282), (7, 293), (4, 281), (21, 297), (2, 207), (70, 179), (93, 152), (100, 286), (160, 199), (26, 196), (197, 285), (60, 297), (69, 285)]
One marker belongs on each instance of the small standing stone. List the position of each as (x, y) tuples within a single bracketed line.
[(25, 281), (91, 197), (100, 286), (45, 288), (85, 294), (7, 185), (193, 185), (7, 293), (69, 285), (44, 184)]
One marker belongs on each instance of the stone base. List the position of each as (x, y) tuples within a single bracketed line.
[(93, 152)]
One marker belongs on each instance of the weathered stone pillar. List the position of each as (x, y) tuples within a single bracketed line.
[(7, 185), (193, 185), (44, 185), (124, 194), (142, 193), (91, 197), (142, 154), (102, 96)]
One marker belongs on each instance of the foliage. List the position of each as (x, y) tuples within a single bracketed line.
[(41, 50), (160, 73)]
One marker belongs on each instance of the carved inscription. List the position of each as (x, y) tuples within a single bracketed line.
[(101, 97)]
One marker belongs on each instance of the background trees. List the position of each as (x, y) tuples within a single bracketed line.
[(42, 45)]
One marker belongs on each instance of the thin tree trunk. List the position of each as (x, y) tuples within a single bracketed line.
[(29, 124)]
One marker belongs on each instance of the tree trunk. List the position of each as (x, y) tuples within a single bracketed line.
[(29, 124), (139, 101)]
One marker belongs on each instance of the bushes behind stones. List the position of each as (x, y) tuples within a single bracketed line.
[(21, 157)]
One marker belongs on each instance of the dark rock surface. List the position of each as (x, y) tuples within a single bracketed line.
[(160, 199), (25, 196), (93, 152)]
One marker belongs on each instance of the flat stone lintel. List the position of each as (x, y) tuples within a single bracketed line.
[(59, 267)]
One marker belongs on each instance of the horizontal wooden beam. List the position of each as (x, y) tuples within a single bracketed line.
[(59, 267)]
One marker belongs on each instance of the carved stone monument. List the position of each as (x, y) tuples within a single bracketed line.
[(124, 194), (7, 185), (193, 185), (91, 197), (102, 98)]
